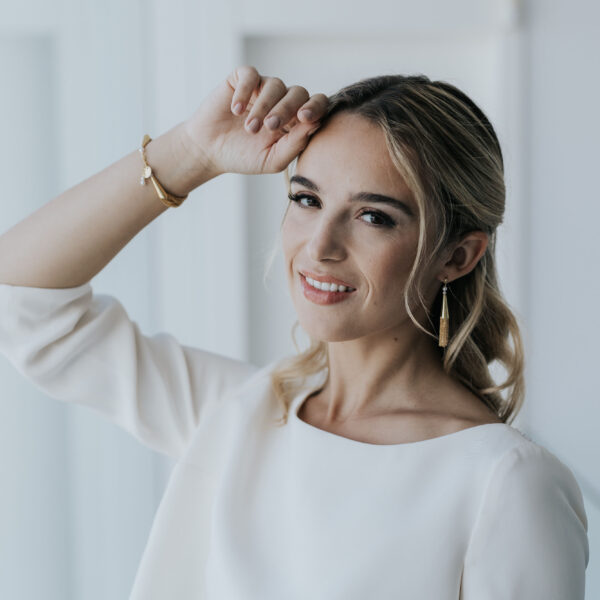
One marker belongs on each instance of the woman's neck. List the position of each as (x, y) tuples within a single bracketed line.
[(368, 377)]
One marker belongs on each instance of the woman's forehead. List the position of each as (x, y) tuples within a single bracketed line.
[(349, 154)]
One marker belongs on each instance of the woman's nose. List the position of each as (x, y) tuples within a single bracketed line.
[(327, 242)]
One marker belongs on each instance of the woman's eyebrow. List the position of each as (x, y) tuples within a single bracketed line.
[(369, 197), (304, 182)]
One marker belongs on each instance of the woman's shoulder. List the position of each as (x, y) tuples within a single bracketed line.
[(507, 444), (528, 483), (524, 460), (531, 526)]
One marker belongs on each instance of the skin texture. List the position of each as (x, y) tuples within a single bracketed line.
[(386, 382)]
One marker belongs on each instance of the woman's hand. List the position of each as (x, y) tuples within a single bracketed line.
[(223, 138)]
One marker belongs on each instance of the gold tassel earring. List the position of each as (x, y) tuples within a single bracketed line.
[(444, 317)]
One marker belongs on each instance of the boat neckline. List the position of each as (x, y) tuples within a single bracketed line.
[(317, 431)]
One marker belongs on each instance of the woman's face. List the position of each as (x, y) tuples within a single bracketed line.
[(337, 228)]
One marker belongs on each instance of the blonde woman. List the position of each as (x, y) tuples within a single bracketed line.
[(380, 462)]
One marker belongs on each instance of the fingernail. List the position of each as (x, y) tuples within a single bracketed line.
[(272, 122), (254, 125), (307, 114), (237, 109)]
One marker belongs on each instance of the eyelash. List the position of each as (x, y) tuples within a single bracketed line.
[(387, 221)]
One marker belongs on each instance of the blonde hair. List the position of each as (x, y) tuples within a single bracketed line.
[(446, 150)]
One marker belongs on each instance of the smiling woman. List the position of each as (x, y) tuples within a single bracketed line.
[(394, 472), (406, 145), (400, 190)]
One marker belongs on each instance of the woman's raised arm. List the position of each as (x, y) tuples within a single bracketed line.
[(68, 240), (81, 347), (73, 236)]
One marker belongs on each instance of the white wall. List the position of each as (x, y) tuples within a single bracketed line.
[(33, 452), (563, 407), (87, 80)]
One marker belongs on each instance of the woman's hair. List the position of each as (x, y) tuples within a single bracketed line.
[(446, 150)]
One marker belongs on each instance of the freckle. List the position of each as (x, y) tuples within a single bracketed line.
[(395, 339)]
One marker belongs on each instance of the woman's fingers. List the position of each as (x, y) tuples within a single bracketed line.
[(286, 108), (271, 102), (271, 93), (244, 80), (313, 109)]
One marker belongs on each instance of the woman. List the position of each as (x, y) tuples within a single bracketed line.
[(393, 472)]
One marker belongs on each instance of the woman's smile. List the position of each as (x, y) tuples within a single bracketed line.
[(321, 296)]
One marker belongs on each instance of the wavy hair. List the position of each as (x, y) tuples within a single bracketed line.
[(448, 153)]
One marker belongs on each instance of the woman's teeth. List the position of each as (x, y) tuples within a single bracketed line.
[(328, 287)]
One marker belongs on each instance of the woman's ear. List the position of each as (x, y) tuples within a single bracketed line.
[(465, 255)]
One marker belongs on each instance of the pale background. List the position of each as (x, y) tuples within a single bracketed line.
[(82, 83)]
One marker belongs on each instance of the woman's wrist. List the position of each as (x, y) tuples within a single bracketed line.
[(176, 162)]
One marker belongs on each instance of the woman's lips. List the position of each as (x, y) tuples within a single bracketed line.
[(320, 296), (325, 278)]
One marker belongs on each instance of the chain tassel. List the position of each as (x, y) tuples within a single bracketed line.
[(444, 318)]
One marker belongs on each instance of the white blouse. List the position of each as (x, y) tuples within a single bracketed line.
[(256, 511)]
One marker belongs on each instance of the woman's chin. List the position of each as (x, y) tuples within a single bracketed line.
[(326, 333)]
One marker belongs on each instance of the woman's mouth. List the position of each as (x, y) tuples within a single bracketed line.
[(324, 293)]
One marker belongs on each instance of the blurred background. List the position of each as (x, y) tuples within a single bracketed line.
[(84, 81)]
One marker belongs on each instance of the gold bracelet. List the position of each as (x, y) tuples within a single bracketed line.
[(167, 199)]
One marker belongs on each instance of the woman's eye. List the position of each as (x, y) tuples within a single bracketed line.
[(380, 218), (299, 197)]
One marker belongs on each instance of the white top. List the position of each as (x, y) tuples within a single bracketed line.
[(254, 511)]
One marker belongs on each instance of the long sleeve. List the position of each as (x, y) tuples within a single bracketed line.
[(530, 538), (82, 347)]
